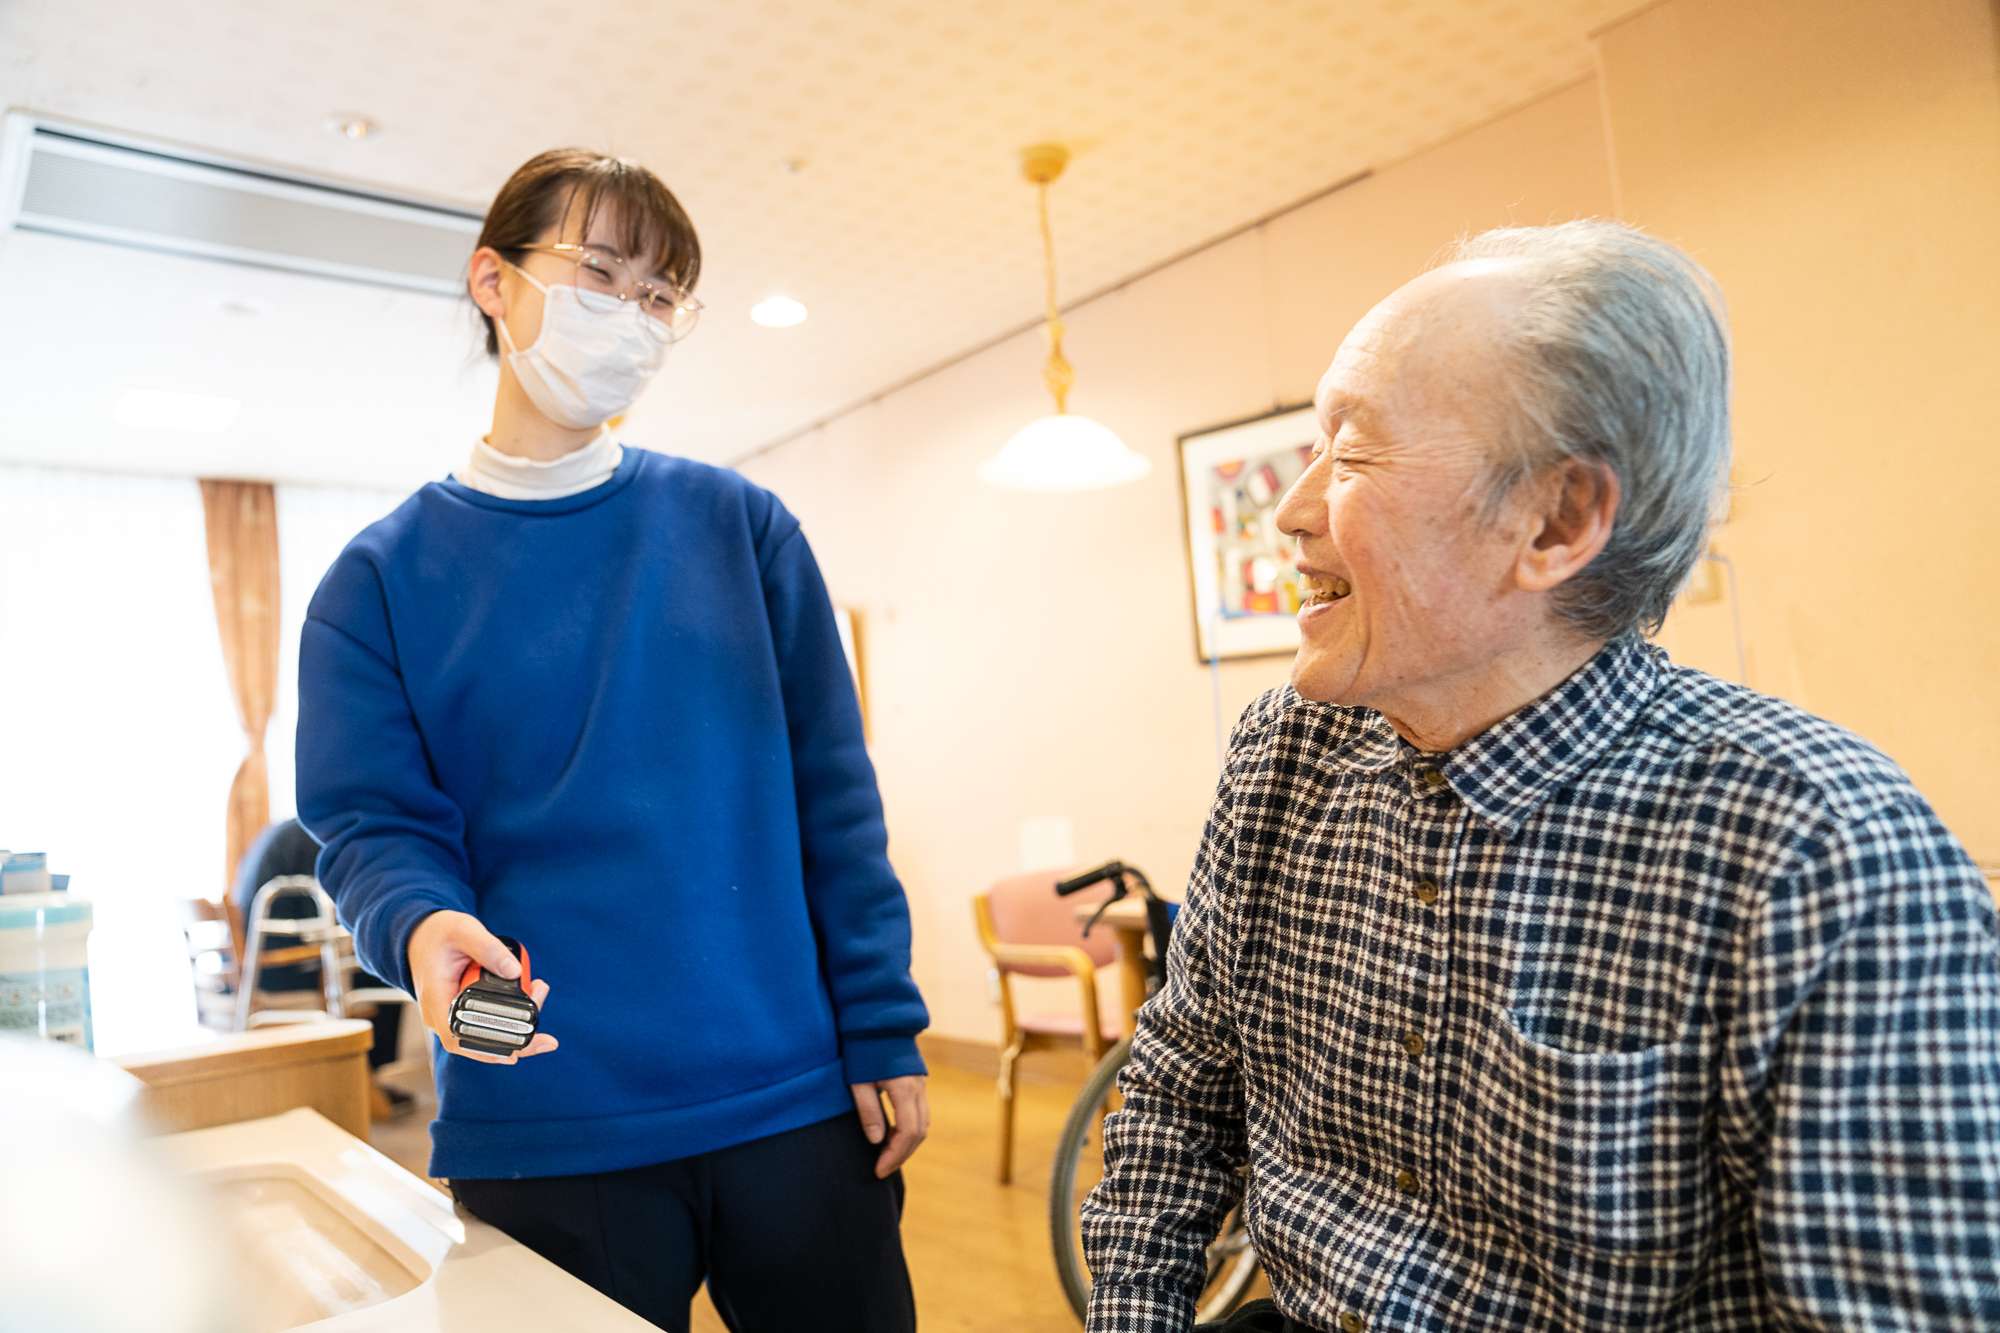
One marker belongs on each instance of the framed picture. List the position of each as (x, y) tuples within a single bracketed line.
[(1243, 572)]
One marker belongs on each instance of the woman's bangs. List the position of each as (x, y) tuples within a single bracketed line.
[(639, 211)]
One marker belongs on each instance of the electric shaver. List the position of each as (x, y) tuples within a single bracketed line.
[(491, 1014)]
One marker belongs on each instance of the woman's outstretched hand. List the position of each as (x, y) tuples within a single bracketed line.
[(910, 1109), (442, 946)]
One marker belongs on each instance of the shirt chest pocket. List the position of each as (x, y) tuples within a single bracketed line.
[(1597, 1160)]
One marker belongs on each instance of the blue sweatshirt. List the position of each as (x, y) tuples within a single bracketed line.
[(619, 727)]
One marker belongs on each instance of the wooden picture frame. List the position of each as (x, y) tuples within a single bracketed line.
[(1243, 581)]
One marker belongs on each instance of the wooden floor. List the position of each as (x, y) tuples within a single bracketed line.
[(979, 1252)]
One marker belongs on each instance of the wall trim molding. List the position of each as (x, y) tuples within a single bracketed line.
[(1062, 1068)]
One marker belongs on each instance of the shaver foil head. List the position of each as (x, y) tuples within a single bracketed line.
[(493, 1015)]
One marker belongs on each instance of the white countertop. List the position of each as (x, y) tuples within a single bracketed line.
[(285, 1178)]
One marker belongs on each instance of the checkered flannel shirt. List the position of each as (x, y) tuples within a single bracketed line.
[(1661, 1004)]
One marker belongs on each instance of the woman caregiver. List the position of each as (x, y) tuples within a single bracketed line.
[(593, 698)]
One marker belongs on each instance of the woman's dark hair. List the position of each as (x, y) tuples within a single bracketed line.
[(553, 186)]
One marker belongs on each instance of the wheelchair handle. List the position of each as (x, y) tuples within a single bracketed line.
[(1157, 921), (1112, 870)]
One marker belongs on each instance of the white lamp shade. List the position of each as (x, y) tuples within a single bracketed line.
[(1063, 453)]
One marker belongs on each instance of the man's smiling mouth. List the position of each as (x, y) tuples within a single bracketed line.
[(1326, 589)]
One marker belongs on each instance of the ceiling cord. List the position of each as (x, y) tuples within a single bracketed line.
[(1057, 375)]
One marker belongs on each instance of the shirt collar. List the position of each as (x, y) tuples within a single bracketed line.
[(514, 478), (1358, 739), (1506, 772)]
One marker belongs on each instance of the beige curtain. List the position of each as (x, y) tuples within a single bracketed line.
[(243, 573)]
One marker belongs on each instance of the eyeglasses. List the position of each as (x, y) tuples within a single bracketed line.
[(604, 281)]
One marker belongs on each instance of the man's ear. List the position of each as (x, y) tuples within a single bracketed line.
[(482, 279), (1578, 503)]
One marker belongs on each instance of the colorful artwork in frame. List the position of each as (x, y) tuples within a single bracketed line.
[(1243, 570)]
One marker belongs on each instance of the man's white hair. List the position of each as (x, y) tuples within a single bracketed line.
[(1621, 357)]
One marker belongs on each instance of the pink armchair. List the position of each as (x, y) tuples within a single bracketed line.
[(1028, 931)]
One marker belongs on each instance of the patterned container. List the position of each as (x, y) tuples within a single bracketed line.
[(45, 967)]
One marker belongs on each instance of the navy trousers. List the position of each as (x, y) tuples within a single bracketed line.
[(790, 1232)]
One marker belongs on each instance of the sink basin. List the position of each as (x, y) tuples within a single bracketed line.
[(320, 1231), (297, 1254)]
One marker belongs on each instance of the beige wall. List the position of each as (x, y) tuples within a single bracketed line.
[(1836, 164), (1032, 655)]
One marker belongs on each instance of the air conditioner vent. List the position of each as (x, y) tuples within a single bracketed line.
[(121, 191)]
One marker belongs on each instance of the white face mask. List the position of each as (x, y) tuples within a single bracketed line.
[(590, 362)]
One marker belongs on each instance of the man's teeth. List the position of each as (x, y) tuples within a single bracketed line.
[(1326, 588)]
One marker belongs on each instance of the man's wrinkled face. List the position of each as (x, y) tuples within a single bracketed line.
[(1411, 586)]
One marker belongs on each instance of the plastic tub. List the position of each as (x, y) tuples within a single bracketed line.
[(25, 872), (45, 967)]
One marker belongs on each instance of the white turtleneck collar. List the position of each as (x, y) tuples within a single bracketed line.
[(513, 478)]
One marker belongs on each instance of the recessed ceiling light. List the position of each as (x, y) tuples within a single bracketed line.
[(347, 125), (161, 410), (777, 313)]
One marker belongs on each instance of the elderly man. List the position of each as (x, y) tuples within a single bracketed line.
[(1537, 982)]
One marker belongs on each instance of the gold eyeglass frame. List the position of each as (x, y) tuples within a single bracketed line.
[(680, 303)]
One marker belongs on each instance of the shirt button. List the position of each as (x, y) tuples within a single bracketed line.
[(1427, 891), (1351, 1322), (1413, 1043), (1432, 778), (1406, 1181)]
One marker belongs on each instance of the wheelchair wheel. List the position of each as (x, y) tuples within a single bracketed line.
[(1232, 1259)]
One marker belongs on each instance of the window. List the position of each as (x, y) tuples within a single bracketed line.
[(118, 736)]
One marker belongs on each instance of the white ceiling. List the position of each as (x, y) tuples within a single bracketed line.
[(909, 235)]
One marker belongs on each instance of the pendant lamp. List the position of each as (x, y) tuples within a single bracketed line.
[(1063, 452)]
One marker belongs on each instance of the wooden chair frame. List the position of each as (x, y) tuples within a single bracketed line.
[(1070, 958)]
